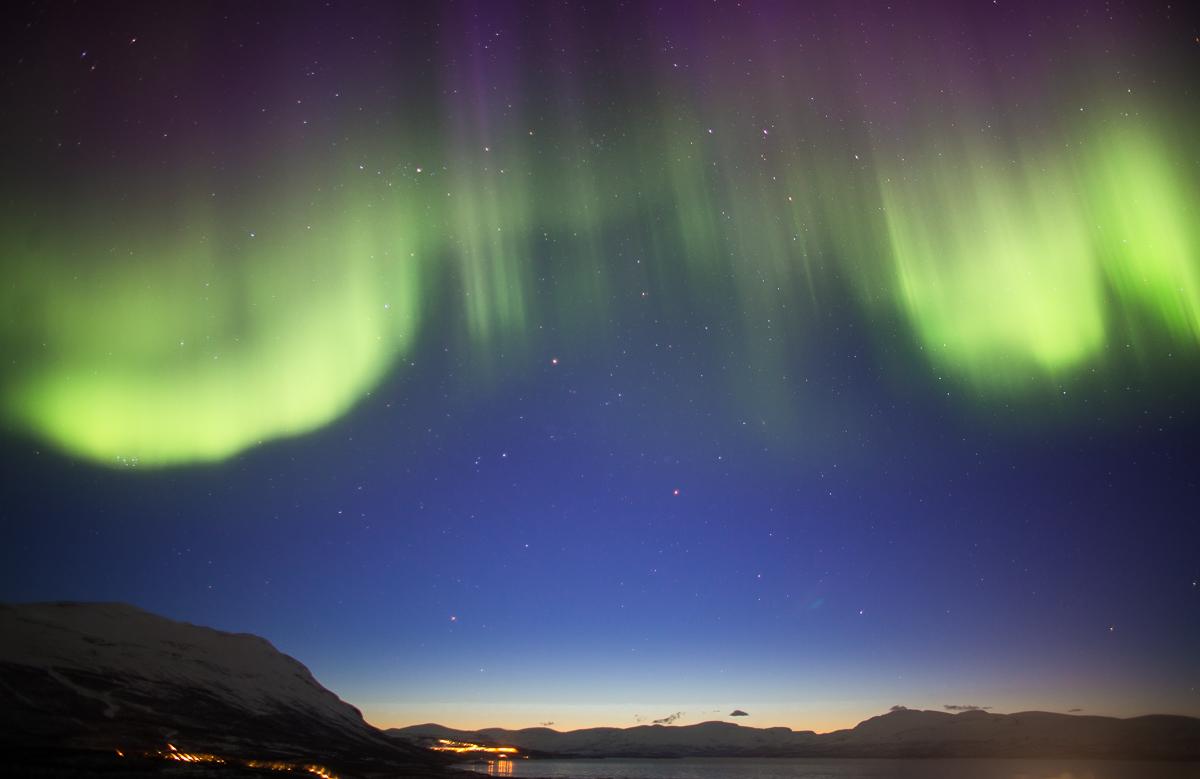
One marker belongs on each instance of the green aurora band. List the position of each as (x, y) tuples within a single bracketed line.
[(160, 336), (164, 351)]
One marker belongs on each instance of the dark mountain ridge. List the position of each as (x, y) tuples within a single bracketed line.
[(901, 733)]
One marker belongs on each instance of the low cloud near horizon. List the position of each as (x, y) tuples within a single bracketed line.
[(669, 719), (964, 707), (738, 713)]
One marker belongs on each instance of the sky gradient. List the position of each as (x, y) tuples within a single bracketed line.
[(511, 363)]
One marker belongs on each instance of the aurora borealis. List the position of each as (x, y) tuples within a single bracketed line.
[(758, 254), (198, 329)]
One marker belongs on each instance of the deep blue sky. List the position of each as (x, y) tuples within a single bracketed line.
[(678, 505), (962, 566)]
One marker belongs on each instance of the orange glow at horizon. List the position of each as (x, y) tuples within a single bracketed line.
[(455, 720)]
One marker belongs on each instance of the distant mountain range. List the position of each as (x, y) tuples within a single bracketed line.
[(901, 733), (81, 681)]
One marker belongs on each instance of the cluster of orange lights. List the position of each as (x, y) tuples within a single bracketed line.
[(184, 757), (171, 753), (276, 765), (446, 745)]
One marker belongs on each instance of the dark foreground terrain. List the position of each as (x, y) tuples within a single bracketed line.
[(108, 689)]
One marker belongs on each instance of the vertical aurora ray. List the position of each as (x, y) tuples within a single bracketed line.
[(490, 240), (490, 203)]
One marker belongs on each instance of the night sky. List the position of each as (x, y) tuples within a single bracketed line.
[(514, 363)]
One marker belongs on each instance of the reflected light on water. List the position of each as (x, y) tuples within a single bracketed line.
[(831, 768), (501, 767)]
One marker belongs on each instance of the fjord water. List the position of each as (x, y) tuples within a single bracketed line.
[(821, 768)]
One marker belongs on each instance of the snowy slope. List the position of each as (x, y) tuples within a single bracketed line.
[(149, 651), (107, 676)]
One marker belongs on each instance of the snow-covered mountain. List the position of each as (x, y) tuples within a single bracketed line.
[(107, 676), (902, 733)]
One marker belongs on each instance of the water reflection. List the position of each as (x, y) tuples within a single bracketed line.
[(813, 768), (499, 768)]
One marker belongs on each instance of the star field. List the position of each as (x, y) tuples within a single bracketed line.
[(519, 362)]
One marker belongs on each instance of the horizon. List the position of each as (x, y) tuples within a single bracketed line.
[(562, 728), (518, 362), (618, 714)]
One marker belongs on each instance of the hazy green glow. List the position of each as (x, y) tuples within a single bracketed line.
[(697, 217)]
